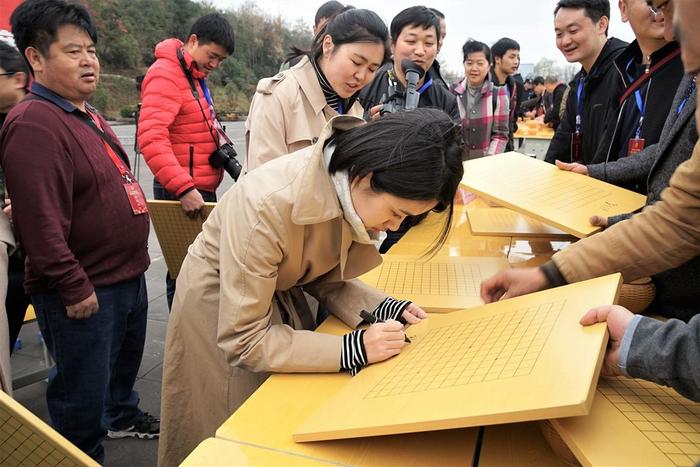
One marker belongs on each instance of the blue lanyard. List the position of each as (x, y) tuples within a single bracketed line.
[(207, 96), (641, 103), (425, 86), (579, 103), (688, 93)]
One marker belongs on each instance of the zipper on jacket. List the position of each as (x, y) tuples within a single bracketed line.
[(192, 161), (619, 115)]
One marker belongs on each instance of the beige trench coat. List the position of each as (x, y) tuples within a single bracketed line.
[(287, 113), (7, 245), (239, 310)]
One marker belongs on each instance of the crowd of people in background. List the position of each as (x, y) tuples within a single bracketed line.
[(374, 138)]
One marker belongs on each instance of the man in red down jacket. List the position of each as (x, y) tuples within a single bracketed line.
[(176, 129)]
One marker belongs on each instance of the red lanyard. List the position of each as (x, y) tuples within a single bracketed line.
[(118, 162), (642, 79)]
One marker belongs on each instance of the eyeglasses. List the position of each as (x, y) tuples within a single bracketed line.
[(8, 73), (658, 10)]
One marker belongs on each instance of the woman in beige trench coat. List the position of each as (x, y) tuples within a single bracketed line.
[(289, 110), (7, 244), (301, 223)]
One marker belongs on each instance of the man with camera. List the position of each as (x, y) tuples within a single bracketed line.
[(179, 136), (415, 34), (405, 83)]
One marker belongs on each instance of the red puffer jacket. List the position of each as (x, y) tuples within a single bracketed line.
[(173, 135)]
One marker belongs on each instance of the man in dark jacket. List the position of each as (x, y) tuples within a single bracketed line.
[(581, 28), (555, 90), (414, 36), (649, 71), (506, 61), (677, 294), (662, 236)]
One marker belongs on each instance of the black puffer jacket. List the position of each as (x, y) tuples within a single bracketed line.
[(600, 95)]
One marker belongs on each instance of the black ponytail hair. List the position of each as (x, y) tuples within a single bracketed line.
[(350, 25), (414, 155)]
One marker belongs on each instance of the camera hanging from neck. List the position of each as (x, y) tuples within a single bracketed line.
[(225, 154)]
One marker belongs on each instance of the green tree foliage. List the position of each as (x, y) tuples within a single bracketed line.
[(128, 31)]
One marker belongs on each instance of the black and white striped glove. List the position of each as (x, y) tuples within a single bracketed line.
[(391, 308), (353, 356)]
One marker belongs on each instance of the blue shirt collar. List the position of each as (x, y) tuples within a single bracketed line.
[(49, 95)]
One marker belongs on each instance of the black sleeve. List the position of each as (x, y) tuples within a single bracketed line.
[(553, 115), (560, 147)]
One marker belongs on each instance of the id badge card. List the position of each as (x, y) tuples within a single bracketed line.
[(136, 198), (576, 147), (635, 145)]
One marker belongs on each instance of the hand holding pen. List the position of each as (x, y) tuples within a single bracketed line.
[(370, 319), (383, 339)]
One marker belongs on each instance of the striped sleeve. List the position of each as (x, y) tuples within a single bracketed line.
[(353, 356), (391, 308)]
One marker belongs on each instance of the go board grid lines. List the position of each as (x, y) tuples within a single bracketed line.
[(23, 447), (446, 279), (505, 345), (667, 419), (560, 194)]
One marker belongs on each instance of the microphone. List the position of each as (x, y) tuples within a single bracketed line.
[(413, 74)]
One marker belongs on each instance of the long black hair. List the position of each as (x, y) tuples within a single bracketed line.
[(414, 155), (351, 25)]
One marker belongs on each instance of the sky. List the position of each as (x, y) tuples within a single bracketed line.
[(530, 22)]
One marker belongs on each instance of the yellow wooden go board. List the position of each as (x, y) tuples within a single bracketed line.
[(635, 422), (26, 440), (504, 222), (213, 452), (175, 231), (565, 200), (251, 424), (438, 285), (526, 358)]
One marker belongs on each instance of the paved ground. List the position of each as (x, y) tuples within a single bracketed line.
[(128, 453)]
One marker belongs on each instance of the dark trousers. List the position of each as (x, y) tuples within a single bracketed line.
[(17, 300), (161, 193), (91, 388)]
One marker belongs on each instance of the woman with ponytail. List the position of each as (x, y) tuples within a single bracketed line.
[(289, 110)]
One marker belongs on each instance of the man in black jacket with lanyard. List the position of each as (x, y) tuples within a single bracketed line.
[(414, 36), (677, 294), (649, 70), (581, 28)]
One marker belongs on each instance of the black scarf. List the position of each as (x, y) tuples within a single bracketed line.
[(332, 97)]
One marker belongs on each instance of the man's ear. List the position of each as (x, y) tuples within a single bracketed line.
[(35, 58), (192, 41), (622, 4)]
